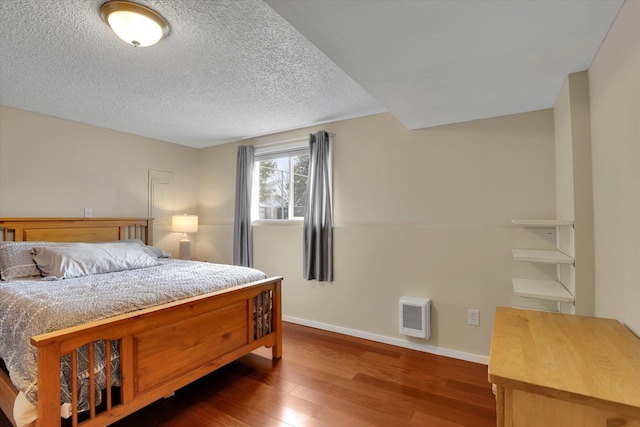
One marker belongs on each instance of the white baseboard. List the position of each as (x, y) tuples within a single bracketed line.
[(469, 357)]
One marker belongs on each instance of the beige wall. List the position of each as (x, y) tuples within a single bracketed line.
[(614, 85), (54, 167), (421, 213)]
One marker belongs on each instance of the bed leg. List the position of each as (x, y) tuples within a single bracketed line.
[(276, 350), (48, 385)]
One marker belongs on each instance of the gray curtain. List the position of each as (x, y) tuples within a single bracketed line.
[(242, 230), (318, 214)]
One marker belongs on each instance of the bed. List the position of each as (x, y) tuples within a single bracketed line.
[(159, 349)]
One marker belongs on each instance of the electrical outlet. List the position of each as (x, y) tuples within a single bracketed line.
[(473, 317), (88, 212)]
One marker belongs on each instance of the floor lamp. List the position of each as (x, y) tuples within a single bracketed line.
[(184, 224)]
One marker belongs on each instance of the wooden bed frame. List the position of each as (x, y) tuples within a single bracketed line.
[(162, 348)]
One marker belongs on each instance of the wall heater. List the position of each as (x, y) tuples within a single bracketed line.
[(415, 315)]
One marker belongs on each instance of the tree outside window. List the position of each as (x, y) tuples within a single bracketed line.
[(283, 186)]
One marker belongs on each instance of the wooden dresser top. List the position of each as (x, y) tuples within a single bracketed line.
[(587, 360)]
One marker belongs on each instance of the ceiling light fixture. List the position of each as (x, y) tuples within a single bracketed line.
[(135, 24)]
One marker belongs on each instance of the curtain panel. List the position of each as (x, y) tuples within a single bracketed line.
[(242, 229), (318, 214)]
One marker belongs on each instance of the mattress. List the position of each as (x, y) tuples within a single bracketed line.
[(35, 306)]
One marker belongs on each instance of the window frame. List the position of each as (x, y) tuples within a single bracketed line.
[(268, 153)]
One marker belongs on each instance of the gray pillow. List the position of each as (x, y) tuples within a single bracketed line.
[(16, 260), (157, 252), (151, 250)]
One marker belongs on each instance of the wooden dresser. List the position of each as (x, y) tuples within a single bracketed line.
[(551, 369)]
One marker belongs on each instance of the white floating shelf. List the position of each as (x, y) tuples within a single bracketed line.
[(541, 289), (544, 256), (542, 222)]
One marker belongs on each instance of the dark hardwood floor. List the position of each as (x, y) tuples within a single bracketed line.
[(327, 379)]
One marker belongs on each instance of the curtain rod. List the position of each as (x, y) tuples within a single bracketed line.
[(303, 138)]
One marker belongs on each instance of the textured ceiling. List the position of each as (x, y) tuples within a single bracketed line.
[(233, 69), (228, 70)]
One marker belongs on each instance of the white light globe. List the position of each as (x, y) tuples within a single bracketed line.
[(135, 29)]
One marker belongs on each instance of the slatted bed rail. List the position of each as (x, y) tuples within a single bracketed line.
[(161, 349), (91, 373)]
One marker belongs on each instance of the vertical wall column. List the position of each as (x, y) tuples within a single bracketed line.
[(574, 185)]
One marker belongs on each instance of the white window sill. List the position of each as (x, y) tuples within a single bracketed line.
[(277, 222)]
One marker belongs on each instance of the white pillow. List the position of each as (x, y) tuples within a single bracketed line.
[(82, 259)]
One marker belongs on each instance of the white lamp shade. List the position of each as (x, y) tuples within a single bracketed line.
[(184, 223)]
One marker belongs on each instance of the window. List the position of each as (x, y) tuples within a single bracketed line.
[(280, 182)]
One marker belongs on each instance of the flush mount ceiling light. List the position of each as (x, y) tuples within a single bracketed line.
[(135, 24)]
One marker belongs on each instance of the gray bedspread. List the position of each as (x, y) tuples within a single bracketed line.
[(32, 307)]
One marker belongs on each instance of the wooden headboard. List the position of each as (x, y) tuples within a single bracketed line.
[(87, 230)]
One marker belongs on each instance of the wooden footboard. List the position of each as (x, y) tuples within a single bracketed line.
[(165, 347)]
